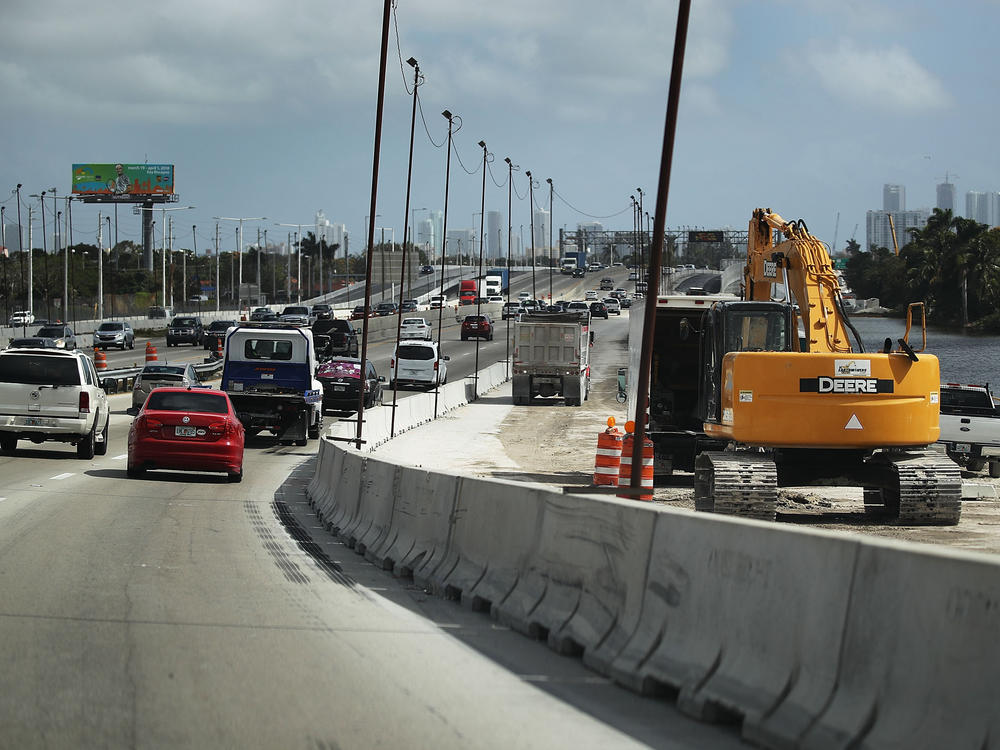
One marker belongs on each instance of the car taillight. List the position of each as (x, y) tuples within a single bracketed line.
[(152, 426), (84, 402), (392, 363), (435, 364), (218, 428)]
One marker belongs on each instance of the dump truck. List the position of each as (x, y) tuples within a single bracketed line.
[(551, 357)]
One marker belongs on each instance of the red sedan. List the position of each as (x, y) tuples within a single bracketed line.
[(190, 429)]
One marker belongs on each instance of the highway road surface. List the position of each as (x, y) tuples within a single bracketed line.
[(180, 610)]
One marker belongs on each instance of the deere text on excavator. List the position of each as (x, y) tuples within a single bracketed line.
[(778, 407)]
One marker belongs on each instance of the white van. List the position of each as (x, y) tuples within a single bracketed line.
[(417, 362)]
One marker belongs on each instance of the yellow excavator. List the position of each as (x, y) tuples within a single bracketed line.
[(796, 403)]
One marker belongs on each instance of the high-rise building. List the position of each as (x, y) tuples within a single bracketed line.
[(332, 233), (879, 233), (541, 217), (424, 232), (946, 196), (977, 207), (437, 232), (494, 235), (462, 241), (893, 198)]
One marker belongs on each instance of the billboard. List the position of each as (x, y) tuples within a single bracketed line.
[(120, 180)]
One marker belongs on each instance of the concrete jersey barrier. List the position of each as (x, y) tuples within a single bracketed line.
[(811, 638)]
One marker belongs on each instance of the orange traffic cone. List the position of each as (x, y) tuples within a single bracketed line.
[(150, 352), (609, 455), (645, 469), (218, 347), (100, 359)]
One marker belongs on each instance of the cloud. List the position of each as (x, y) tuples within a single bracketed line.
[(887, 79)]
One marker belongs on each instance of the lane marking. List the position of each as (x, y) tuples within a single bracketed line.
[(67, 475)]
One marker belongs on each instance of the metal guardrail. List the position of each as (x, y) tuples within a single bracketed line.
[(123, 379)]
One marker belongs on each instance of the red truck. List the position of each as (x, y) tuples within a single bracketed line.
[(467, 292)]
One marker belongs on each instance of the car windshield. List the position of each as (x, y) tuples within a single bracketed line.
[(414, 322), (295, 311), (181, 322), (50, 332), (221, 325), (414, 351), (340, 369), (475, 318), (39, 369), (206, 403), (111, 327)]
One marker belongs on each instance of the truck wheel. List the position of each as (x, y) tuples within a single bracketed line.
[(975, 464), (316, 428), (995, 469)]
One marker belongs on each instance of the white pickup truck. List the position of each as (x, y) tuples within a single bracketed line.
[(970, 427)]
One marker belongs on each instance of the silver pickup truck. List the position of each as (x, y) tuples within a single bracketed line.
[(970, 427)]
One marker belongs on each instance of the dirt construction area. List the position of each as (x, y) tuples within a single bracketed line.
[(552, 444)]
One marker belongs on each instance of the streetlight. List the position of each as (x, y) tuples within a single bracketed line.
[(642, 240), (412, 62), (510, 229), (163, 255), (288, 275), (240, 219), (551, 266), (531, 212), (444, 234), (479, 296)]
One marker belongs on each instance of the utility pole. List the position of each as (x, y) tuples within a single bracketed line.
[(100, 266)]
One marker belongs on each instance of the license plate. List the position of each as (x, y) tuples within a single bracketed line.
[(35, 421), (185, 431), (340, 387), (963, 447)]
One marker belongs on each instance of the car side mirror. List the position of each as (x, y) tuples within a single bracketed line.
[(381, 378), (446, 358)]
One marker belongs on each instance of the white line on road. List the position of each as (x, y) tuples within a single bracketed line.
[(66, 475)]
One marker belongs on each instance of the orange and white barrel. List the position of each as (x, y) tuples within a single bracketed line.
[(646, 470), (150, 352), (609, 456)]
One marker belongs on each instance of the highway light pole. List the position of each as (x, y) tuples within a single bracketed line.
[(163, 258), (510, 230), (239, 243), (412, 62), (531, 213), (642, 240), (479, 294), (288, 277), (551, 268), (444, 240)]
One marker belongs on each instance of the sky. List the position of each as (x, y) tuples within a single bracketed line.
[(268, 109)]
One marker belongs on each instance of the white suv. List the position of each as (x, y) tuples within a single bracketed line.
[(416, 362), (52, 394)]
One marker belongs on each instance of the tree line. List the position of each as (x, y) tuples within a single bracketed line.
[(952, 264)]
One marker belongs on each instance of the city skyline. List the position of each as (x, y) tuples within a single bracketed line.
[(280, 124)]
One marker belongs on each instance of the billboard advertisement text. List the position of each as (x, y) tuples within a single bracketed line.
[(119, 179)]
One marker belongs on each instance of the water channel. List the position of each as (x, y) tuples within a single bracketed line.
[(964, 358)]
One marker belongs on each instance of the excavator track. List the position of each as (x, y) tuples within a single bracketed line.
[(736, 483), (928, 493)]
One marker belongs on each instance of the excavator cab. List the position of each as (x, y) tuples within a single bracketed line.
[(739, 327)]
